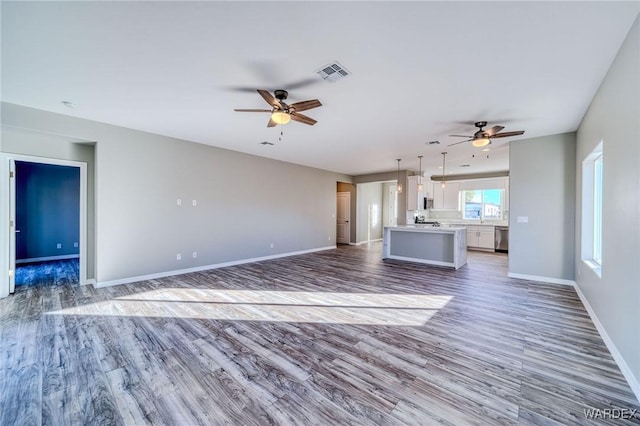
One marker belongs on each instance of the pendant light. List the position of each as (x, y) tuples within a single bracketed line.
[(420, 175), (443, 183), (399, 186)]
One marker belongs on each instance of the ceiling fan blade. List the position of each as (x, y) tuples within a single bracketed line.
[(271, 123), (507, 134), (305, 105), (269, 98), (461, 136), (251, 110), (303, 83), (452, 144), (302, 118), (492, 131)]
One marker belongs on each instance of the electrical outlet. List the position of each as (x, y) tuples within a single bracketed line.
[(271, 245), (179, 202), (59, 246), (178, 256), (75, 245), (195, 255), (194, 203)]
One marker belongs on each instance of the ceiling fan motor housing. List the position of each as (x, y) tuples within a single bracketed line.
[(281, 95)]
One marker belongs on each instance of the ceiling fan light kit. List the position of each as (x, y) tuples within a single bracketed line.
[(482, 137), (281, 117), (479, 143), (282, 113)]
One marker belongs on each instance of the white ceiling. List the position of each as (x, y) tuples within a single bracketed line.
[(419, 71)]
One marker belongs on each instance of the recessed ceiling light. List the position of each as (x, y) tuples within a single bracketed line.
[(486, 149), (68, 104), (433, 143), (465, 165), (266, 143), (439, 167)]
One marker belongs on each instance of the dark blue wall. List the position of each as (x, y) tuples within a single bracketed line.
[(47, 210)]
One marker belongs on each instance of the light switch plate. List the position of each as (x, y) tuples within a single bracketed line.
[(523, 219)]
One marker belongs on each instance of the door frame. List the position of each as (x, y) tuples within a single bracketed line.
[(7, 234)]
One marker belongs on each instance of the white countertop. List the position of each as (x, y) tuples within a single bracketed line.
[(426, 228), (454, 222)]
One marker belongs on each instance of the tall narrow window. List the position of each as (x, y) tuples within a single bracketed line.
[(597, 210), (592, 198)]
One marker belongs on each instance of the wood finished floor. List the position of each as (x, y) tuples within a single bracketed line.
[(54, 272), (316, 339)]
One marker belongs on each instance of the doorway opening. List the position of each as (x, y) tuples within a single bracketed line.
[(44, 202), (47, 227)]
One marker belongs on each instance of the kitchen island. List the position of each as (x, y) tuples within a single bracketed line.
[(442, 246)]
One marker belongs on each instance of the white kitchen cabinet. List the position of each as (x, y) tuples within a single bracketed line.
[(447, 199), (415, 198), (481, 237)]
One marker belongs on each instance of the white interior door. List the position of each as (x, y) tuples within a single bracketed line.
[(343, 227), (12, 226)]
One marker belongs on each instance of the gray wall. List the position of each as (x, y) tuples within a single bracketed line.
[(542, 188), (47, 210), (369, 216), (614, 118), (245, 202), (25, 140)]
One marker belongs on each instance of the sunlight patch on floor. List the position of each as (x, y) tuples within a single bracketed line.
[(274, 306)]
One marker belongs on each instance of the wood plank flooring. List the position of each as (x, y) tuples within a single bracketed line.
[(58, 272), (335, 337)]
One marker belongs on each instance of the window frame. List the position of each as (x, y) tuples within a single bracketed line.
[(482, 217), (592, 202)]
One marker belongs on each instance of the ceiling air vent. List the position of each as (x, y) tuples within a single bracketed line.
[(333, 72)]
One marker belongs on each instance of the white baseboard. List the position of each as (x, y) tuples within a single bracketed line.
[(205, 267), (90, 281), (542, 279), (634, 383), (48, 258)]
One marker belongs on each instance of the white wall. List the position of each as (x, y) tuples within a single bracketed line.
[(614, 119), (388, 201), (245, 202), (542, 188)]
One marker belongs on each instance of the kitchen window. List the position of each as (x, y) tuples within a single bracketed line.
[(483, 204), (592, 196)]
